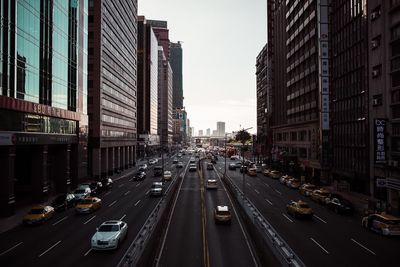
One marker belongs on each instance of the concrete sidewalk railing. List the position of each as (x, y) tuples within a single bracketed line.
[(140, 251), (270, 236)]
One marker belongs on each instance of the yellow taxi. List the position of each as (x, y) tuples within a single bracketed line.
[(293, 183), (274, 174), (88, 205), (307, 189), (299, 209), (383, 223), (252, 171), (38, 214), (320, 195)]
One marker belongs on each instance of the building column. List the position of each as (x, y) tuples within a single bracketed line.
[(111, 160), (62, 169), (117, 158), (7, 166), (122, 151), (134, 154), (96, 162), (104, 162), (128, 156), (40, 188), (74, 166)]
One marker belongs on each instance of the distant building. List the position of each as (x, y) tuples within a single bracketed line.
[(112, 86), (165, 122), (176, 61), (161, 31), (220, 128), (147, 97), (208, 132), (215, 133), (200, 132)]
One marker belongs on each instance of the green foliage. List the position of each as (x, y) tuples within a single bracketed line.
[(243, 136)]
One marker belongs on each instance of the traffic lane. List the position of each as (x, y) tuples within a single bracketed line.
[(227, 243), (324, 238), (77, 228), (183, 244)]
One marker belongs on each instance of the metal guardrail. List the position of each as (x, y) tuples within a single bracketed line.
[(277, 244), (135, 250)]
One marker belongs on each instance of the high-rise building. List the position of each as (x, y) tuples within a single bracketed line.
[(176, 60), (349, 93), (165, 123), (112, 85), (263, 104), (208, 132), (384, 100), (147, 88), (220, 128), (43, 99), (161, 31), (215, 133), (300, 86), (200, 132)]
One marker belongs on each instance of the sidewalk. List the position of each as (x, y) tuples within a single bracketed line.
[(22, 208)]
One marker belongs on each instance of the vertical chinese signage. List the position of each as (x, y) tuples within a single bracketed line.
[(323, 71), (379, 135)]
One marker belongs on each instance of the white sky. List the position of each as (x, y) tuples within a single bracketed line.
[(221, 39)]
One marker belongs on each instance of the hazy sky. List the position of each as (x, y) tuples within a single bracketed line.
[(221, 39)]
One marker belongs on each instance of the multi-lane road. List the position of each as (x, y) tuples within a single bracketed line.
[(328, 239), (65, 239)]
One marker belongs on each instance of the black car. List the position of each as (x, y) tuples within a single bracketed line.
[(158, 170), (95, 188), (243, 168), (139, 176), (107, 183), (339, 204), (232, 166), (63, 202)]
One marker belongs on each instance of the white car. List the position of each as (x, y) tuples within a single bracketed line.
[(152, 161), (211, 184), (109, 235), (167, 175), (82, 192), (156, 189)]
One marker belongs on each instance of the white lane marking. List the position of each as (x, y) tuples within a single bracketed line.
[(319, 245), (269, 202), (90, 219), (278, 192), (57, 222), (361, 245), (127, 192), (50, 248), (121, 185), (112, 203), (122, 217), (106, 194), (256, 191), (248, 184), (8, 250), (320, 219), (267, 185), (137, 202), (284, 215), (87, 252), (147, 192), (138, 185)]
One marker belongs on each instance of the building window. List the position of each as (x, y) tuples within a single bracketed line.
[(376, 71), (395, 78), (376, 42), (376, 12), (396, 32), (377, 100)]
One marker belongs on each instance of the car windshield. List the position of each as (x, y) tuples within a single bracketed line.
[(223, 212), (304, 206), (79, 191), (109, 228), (36, 211), (156, 186)]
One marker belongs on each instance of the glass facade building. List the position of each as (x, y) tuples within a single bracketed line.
[(43, 94)]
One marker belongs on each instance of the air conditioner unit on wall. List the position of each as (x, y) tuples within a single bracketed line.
[(374, 15), (375, 73), (374, 43)]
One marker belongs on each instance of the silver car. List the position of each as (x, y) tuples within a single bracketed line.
[(109, 235)]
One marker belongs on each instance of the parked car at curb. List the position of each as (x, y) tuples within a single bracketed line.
[(284, 178), (307, 189), (383, 224), (274, 174), (320, 195), (293, 183), (339, 204), (109, 235), (63, 202)]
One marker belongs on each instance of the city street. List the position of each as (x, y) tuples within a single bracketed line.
[(65, 239), (328, 239), (194, 239)]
